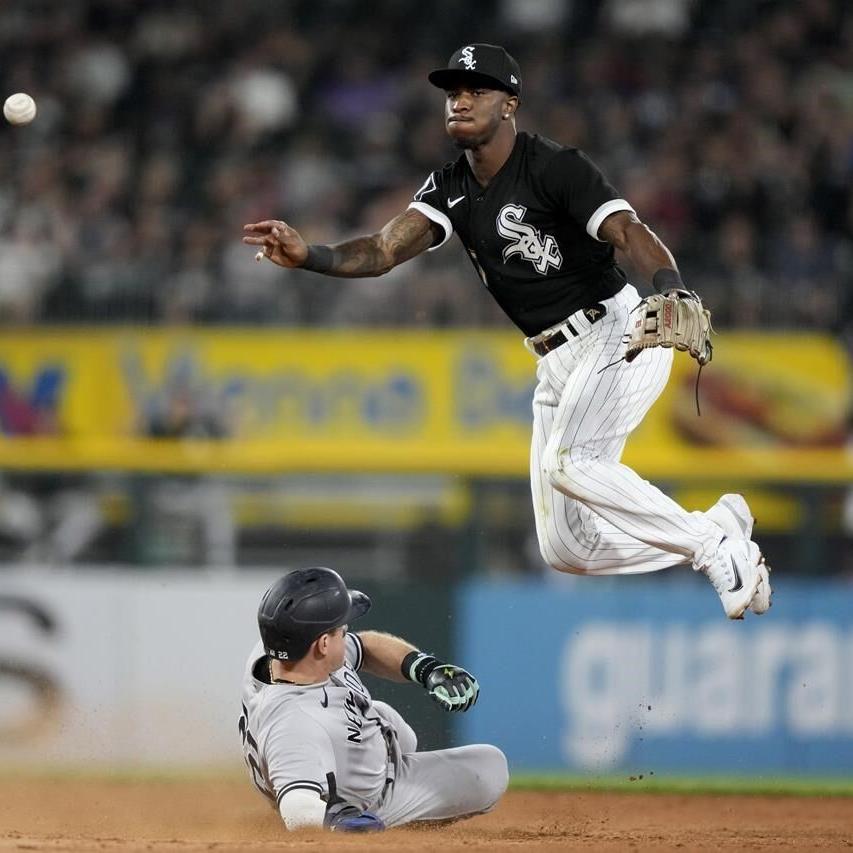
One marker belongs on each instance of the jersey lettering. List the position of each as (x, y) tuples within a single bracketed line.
[(354, 718), (527, 241), (352, 681)]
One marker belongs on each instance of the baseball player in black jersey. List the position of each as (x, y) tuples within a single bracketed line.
[(540, 224)]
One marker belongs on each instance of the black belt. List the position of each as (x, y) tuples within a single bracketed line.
[(593, 314)]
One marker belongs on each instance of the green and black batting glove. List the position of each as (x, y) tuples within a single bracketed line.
[(454, 688)]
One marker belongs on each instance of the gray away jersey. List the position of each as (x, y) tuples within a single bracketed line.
[(326, 737)]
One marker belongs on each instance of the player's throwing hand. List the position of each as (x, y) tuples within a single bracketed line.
[(277, 241)]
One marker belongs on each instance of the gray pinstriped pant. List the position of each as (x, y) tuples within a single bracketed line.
[(443, 784)]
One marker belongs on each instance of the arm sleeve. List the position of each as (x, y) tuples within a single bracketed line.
[(299, 756), (430, 200), (354, 651), (577, 187), (301, 808)]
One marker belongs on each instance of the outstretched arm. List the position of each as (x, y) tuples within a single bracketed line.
[(384, 653), (389, 657), (646, 253), (402, 238)]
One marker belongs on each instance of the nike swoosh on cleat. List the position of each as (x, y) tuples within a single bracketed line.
[(455, 201), (738, 582)]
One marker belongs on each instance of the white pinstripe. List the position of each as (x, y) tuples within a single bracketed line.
[(595, 515)]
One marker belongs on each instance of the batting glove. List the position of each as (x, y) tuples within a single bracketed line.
[(454, 688)]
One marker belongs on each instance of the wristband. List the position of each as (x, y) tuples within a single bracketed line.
[(667, 279), (417, 666), (320, 258)]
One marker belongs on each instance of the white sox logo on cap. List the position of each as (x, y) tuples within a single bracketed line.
[(467, 58)]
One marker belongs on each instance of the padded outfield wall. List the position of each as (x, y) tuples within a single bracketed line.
[(117, 669), (640, 676)]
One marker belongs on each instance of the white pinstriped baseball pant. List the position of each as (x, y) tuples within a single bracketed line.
[(595, 515)]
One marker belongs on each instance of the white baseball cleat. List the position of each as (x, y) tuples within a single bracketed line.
[(732, 513), (734, 574), (763, 598)]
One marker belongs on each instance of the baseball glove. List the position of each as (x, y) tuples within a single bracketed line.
[(675, 318)]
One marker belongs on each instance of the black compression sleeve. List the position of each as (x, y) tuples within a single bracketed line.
[(320, 258), (667, 279)]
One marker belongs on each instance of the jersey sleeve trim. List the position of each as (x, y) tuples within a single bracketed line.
[(612, 206), (359, 651), (434, 216), (307, 784)]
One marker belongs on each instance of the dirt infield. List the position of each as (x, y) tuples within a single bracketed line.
[(186, 817)]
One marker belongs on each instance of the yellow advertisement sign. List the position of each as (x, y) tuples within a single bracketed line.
[(260, 400)]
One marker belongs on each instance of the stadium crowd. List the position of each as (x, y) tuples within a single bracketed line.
[(164, 126)]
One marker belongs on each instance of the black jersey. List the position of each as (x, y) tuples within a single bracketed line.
[(532, 233)]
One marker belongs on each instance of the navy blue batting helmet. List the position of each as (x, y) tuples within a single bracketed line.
[(301, 606)]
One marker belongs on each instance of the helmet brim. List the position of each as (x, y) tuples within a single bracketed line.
[(447, 78), (361, 603)]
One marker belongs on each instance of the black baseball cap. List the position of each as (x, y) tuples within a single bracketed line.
[(494, 67)]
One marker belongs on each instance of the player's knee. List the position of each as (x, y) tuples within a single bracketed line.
[(572, 564), (564, 474), (552, 558), (406, 737), (575, 567), (495, 775), (550, 463)]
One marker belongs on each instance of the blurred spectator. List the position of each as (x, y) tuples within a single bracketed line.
[(28, 266), (638, 17), (735, 287), (808, 279)]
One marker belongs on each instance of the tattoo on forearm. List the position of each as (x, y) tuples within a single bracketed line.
[(356, 258), (408, 235), (402, 238)]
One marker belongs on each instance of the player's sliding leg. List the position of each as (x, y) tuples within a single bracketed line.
[(407, 739), (445, 784)]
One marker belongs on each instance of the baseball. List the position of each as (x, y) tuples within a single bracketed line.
[(19, 108), (259, 256)]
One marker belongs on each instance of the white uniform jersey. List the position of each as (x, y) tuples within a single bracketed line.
[(327, 737)]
